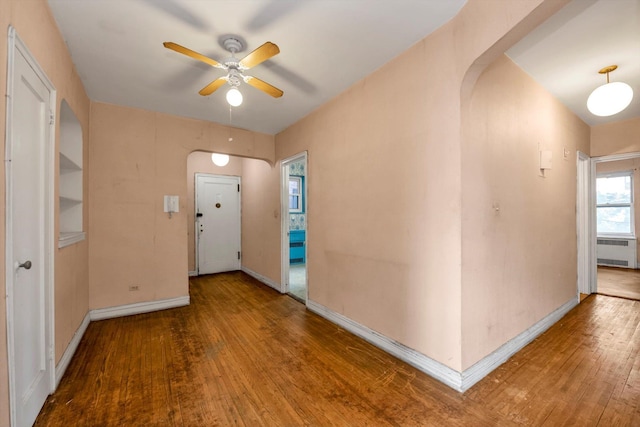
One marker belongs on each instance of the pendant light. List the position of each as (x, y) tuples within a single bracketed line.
[(610, 98), (219, 159)]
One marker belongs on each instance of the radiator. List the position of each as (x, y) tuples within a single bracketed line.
[(616, 252)]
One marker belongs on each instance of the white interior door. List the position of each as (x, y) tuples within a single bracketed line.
[(217, 223), (28, 266)]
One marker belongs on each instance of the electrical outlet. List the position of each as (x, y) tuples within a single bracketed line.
[(134, 288)]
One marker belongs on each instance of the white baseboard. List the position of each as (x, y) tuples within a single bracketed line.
[(262, 278), (193, 273), (483, 367), (138, 308), (71, 349), (418, 360), (460, 381)]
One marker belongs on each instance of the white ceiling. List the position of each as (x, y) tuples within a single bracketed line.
[(325, 47), (565, 53)]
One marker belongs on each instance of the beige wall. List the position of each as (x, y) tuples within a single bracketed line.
[(385, 186), (519, 227), (261, 218), (199, 161), (616, 138), (385, 214), (136, 158), (36, 27)]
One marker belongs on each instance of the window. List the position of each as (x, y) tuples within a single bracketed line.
[(614, 204), (295, 194)]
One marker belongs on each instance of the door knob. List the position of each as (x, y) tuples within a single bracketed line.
[(26, 265)]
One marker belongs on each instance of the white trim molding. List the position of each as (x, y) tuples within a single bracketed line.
[(460, 381), (262, 278), (441, 372), (108, 313), (138, 308), (193, 273), (62, 366), (483, 367)]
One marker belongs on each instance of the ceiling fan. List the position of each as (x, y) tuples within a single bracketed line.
[(235, 68)]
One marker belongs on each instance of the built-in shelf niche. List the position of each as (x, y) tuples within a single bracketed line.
[(70, 179)]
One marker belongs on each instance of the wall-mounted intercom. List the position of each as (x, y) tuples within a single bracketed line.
[(171, 204)]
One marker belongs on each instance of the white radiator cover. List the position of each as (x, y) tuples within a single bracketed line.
[(616, 252)]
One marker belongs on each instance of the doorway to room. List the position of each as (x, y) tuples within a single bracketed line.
[(294, 195), (616, 184)]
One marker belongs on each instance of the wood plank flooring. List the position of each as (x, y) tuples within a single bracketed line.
[(619, 282), (243, 355)]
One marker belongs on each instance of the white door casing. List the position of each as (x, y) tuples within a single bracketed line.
[(218, 235), (583, 222), (29, 233)]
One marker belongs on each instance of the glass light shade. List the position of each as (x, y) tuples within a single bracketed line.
[(219, 159), (234, 97), (610, 99)]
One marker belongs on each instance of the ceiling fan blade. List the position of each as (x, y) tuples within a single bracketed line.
[(213, 86), (263, 86), (259, 55), (195, 55)]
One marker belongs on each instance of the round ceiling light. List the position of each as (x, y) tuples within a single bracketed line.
[(610, 98), (234, 97), (219, 159)]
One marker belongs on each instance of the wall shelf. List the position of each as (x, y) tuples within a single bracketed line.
[(70, 191), (69, 238), (67, 165)]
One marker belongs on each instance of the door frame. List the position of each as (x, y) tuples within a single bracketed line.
[(284, 216), (196, 235), (15, 45), (593, 229), (583, 223)]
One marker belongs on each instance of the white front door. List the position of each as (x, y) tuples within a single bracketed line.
[(217, 223), (28, 262)]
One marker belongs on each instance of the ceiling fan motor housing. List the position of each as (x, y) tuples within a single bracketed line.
[(234, 77), (233, 45)]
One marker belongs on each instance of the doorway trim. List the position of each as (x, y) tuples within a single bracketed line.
[(284, 216), (583, 224), (593, 229), (15, 44)]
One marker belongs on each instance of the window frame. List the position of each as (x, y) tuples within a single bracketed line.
[(300, 196), (632, 233)]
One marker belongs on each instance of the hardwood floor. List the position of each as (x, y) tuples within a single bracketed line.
[(243, 355), (619, 282)]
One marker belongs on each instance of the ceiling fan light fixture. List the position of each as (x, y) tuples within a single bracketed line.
[(610, 98), (234, 97), (219, 159)]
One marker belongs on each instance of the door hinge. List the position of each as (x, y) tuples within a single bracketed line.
[(238, 254), (52, 118), (238, 188)]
